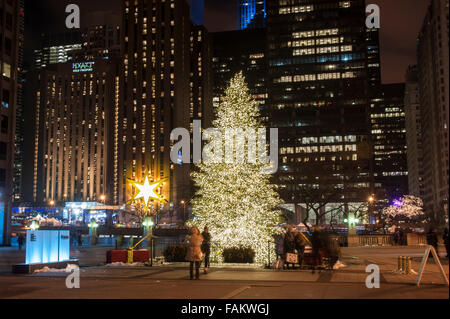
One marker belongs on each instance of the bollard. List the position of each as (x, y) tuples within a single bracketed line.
[(403, 263), (408, 265), (129, 256)]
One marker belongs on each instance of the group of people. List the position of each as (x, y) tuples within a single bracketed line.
[(199, 248), (290, 242), (293, 242)]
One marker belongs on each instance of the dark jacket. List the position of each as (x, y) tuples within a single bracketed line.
[(206, 244), (432, 238), (289, 243), (316, 241)]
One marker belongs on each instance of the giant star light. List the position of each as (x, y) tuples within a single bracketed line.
[(147, 190)]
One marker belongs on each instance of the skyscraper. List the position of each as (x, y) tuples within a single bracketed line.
[(74, 99), (389, 138), (252, 14), (55, 48), (20, 124), (241, 50), (11, 37), (414, 133), (157, 95), (75, 104), (433, 59), (323, 70)]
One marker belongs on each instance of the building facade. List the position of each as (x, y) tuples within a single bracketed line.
[(11, 39), (56, 48), (433, 74), (389, 139), (413, 133), (75, 102), (252, 14), (324, 68), (242, 50), (165, 76)]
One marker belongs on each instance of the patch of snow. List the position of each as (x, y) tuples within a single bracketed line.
[(121, 264), (46, 269), (339, 265)]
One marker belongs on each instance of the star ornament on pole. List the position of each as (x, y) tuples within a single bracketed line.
[(147, 191)]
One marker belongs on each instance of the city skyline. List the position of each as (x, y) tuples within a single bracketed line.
[(401, 21)]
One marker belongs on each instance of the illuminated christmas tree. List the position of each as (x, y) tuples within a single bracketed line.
[(236, 200)]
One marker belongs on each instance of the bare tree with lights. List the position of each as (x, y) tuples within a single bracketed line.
[(407, 211)]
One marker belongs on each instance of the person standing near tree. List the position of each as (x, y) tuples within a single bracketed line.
[(194, 252), (289, 244), (445, 238), (206, 247), (279, 250)]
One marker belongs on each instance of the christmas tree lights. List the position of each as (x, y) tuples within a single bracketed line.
[(236, 201)]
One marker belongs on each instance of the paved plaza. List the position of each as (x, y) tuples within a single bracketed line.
[(171, 281)]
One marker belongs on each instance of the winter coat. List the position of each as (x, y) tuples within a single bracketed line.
[(445, 237), (206, 244), (289, 243), (194, 251), (279, 245), (432, 239), (317, 241)]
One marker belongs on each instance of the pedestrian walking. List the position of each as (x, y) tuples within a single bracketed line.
[(445, 238), (289, 245), (206, 247), (20, 240), (300, 243), (194, 252), (432, 239)]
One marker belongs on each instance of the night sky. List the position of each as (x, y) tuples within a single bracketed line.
[(400, 23)]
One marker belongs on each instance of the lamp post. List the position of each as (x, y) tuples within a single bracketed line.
[(184, 210), (93, 225), (371, 199), (34, 225), (148, 226)]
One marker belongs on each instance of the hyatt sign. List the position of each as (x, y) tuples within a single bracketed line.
[(82, 67)]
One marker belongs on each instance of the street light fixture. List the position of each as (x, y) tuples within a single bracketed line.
[(184, 209), (34, 225), (102, 198)]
